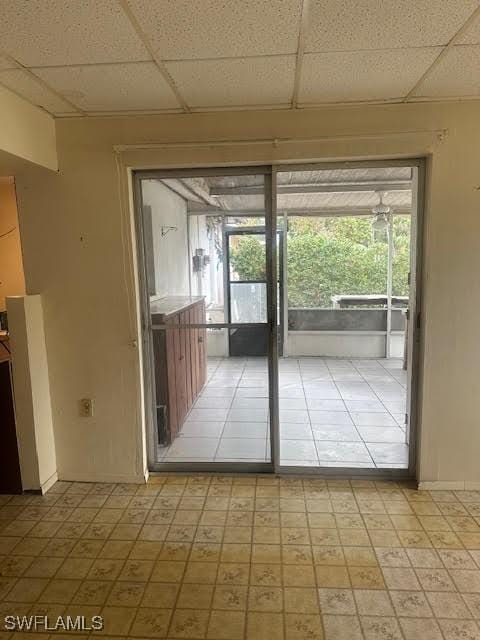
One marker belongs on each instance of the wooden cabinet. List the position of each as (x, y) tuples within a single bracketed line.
[(180, 361)]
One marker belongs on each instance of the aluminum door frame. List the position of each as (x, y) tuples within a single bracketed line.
[(260, 230), (415, 325), (147, 327)]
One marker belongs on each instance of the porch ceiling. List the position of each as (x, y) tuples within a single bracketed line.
[(319, 191)]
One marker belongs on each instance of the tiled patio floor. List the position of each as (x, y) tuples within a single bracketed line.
[(333, 412), (244, 558)]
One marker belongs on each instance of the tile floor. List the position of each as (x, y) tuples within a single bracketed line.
[(245, 558), (333, 412)]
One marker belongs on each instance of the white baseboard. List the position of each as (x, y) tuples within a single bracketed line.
[(49, 483), (472, 486), (447, 485), (88, 477)]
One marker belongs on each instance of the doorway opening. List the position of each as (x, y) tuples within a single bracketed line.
[(280, 330), (12, 283), (246, 287)]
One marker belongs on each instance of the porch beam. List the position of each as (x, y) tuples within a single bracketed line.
[(314, 211), (316, 187)]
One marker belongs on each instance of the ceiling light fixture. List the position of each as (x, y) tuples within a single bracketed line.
[(380, 213)]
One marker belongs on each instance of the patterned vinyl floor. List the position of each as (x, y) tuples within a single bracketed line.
[(253, 557)]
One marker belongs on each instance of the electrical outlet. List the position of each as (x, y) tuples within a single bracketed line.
[(86, 407)]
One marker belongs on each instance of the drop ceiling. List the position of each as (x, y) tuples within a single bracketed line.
[(94, 57)]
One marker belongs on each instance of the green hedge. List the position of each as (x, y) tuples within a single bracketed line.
[(331, 256)]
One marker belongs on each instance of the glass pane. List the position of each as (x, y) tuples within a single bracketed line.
[(336, 262), (206, 266), (211, 383), (248, 302), (238, 222), (334, 379), (247, 256)]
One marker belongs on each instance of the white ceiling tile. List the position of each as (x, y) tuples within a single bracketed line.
[(472, 35), (112, 87), (362, 75), (242, 82), (457, 74), (61, 32), (189, 29), (5, 63), (22, 83), (343, 25)]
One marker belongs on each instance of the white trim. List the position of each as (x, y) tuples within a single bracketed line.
[(442, 485), (472, 486), (89, 477), (440, 134), (49, 483), (449, 485)]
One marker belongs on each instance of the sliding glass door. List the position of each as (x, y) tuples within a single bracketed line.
[(209, 315), (349, 284), (281, 341)]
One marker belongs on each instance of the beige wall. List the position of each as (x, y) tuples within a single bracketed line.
[(77, 253), (169, 251), (26, 132), (12, 281)]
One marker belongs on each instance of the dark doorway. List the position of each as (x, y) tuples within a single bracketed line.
[(10, 478), (246, 289)]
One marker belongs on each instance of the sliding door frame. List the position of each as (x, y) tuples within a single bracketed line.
[(418, 164), (147, 328)]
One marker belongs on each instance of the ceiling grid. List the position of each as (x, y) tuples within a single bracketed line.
[(300, 51), (107, 57)]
